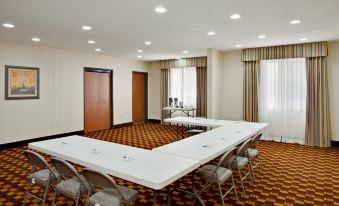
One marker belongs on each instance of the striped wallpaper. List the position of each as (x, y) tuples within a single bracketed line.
[(60, 107)]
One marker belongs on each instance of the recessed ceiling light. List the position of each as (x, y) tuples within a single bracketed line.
[(139, 56), (91, 42), (185, 52), (148, 42), (211, 33), (262, 36), (8, 25), (98, 50), (140, 50), (235, 16), (295, 21), (86, 28), (160, 9), (35, 39), (303, 39), (238, 45)]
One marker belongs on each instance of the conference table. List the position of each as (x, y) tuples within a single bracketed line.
[(161, 166), (183, 122), (170, 110), (144, 167), (205, 147)]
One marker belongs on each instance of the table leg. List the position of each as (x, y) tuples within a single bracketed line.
[(194, 193), (182, 131), (154, 197), (177, 131)]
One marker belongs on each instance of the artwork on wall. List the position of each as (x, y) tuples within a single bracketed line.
[(21, 82)]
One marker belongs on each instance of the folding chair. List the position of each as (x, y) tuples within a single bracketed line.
[(219, 174), (241, 160), (41, 174), (109, 194), (253, 153), (72, 185)]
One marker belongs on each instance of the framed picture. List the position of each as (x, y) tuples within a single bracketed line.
[(21, 82)]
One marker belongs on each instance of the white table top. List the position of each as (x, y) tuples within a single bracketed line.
[(145, 167), (179, 109), (214, 122), (206, 146)]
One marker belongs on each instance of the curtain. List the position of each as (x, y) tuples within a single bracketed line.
[(183, 85), (316, 49), (201, 92), (164, 89), (318, 127), (282, 99), (182, 63), (250, 104)]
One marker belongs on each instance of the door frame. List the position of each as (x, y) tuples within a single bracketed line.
[(99, 70), (146, 94)]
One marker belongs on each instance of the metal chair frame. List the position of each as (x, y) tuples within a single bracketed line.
[(64, 176), (242, 152), (106, 182), (253, 145), (224, 162), (38, 163)]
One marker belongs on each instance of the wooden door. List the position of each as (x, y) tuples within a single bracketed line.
[(140, 97), (98, 101)]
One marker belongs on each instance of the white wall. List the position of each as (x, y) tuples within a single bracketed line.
[(232, 91), (154, 105), (60, 107), (333, 65), (215, 70)]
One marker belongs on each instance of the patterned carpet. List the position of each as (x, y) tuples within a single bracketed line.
[(291, 175)]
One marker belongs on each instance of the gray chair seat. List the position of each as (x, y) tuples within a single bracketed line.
[(106, 197), (252, 153), (70, 187), (41, 177), (111, 197), (207, 172), (240, 163)]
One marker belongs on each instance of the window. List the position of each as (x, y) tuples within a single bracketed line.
[(183, 85), (282, 98)]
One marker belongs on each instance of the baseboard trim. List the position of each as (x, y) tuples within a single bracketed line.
[(26, 142), (154, 121), (334, 143), (123, 125)]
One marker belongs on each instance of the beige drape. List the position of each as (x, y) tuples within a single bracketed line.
[(201, 92), (186, 62), (250, 101), (318, 127), (164, 90)]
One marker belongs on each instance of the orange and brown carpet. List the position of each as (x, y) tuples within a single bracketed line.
[(291, 174)]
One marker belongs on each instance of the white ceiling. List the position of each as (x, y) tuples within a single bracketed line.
[(120, 27)]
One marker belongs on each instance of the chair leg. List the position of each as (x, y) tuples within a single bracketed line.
[(235, 189), (55, 196), (259, 163), (45, 195), (221, 195), (77, 200), (27, 189), (207, 185), (250, 172), (241, 180)]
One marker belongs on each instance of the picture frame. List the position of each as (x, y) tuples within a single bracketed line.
[(21, 82)]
